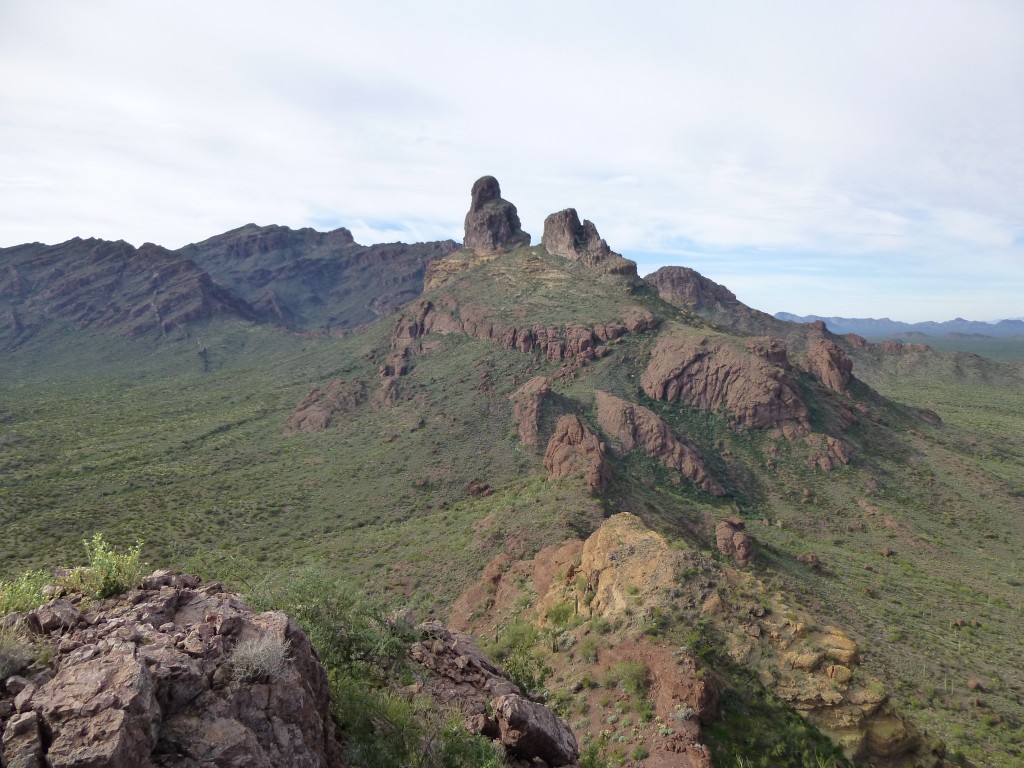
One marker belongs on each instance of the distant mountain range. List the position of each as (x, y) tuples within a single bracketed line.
[(884, 327)]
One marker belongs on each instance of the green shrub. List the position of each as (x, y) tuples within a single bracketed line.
[(562, 614), (259, 659), (526, 671), (108, 572), (587, 648), (632, 676), (640, 752), (23, 593)]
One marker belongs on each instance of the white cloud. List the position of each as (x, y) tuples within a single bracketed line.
[(826, 138)]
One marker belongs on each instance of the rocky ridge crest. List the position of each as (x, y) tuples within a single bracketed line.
[(492, 224), (565, 236)]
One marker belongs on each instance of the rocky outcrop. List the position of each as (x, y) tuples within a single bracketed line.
[(733, 542), (827, 452), (830, 365), (526, 405), (461, 677), (574, 450), (492, 224), (150, 678), (713, 373), (574, 342), (631, 426), (689, 289), (321, 407), (565, 236)]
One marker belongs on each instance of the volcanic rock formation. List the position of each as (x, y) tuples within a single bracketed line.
[(713, 373), (321, 406), (564, 236), (828, 363), (492, 224), (632, 426), (733, 542), (150, 678), (526, 403), (574, 450)]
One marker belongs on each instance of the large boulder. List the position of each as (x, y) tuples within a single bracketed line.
[(492, 224), (530, 730), (565, 236), (150, 678), (526, 405), (830, 365)]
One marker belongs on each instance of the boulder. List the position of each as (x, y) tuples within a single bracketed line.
[(321, 407), (530, 730), (565, 236), (492, 224), (632, 426), (574, 450)]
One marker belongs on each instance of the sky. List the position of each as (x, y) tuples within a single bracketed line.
[(841, 159)]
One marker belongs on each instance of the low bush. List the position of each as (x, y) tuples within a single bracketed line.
[(109, 573), (259, 659), (22, 593)]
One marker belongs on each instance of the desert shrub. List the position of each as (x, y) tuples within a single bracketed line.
[(601, 625), (259, 658), (632, 676), (587, 648), (562, 614), (22, 593), (527, 671), (16, 653), (385, 729), (108, 573)]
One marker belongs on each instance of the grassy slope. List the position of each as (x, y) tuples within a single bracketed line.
[(145, 439)]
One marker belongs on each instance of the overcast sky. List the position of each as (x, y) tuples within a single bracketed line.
[(835, 158)]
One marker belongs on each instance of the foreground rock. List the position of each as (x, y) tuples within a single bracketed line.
[(633, 426), (565, 236), (492, 224), (148, 680), (462, 677)]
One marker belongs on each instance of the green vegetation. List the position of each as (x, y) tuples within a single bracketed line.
[(258, 659)]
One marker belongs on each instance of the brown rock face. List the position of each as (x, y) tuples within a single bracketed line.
[(733, 542), (492, 224), (633, 426), (830, 452), (828, 363), (689, 289), (575, 450), (578, 343), (145, 679), (565, 236), (322, 406), (526, 404), (713, 374)]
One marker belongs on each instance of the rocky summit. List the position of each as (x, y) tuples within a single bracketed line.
[(565, 236)]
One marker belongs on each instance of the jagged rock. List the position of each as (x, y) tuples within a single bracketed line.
[(572, 342), (712, 373), (56, 614), (827, 362), (144, 679), (492, 224), (461, 676), (574, 450), (733, 542), (526, 404), (632, 426), (565, 236), (319, 409), (22, 742), (530, 730)]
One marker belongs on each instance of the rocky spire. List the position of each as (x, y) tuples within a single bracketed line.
[(492, 224), (565, 236)]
